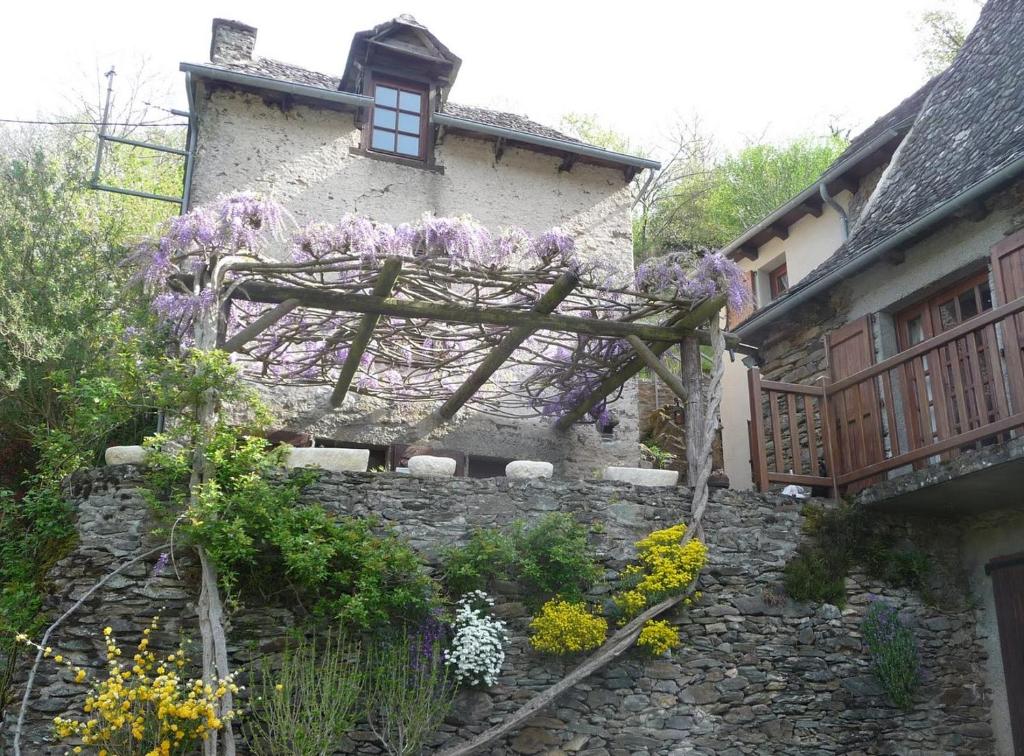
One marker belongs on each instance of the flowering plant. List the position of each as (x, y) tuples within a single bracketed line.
[(146, 708), (708, 275), (658, 636), (478, 646), (665, 566), (893, 652), (564, 627)]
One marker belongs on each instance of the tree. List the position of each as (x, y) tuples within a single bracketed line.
[(942, 33), (713, 201)]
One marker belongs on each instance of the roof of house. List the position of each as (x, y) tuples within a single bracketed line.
[(529, 131), (970, 129)]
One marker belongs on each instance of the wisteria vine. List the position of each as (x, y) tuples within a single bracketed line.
[(245, 238)]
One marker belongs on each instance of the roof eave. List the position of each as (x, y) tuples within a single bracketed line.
[(561, 145), (253, 81)]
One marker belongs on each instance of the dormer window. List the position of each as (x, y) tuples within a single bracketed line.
[(398, 125)]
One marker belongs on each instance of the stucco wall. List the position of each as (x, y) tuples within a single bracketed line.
[(302, 157)]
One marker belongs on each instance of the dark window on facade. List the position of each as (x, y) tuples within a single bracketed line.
[(399, 120), (779, 281)]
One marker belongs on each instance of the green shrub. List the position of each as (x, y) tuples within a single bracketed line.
[(549, 557), (809, 576), (488, 555), (554, 557)]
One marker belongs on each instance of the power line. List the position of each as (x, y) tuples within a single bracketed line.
[(89, 123)]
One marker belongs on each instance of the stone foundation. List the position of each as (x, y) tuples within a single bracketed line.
[(757, 673)]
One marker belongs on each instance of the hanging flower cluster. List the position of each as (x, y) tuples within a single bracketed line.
[(694, 277), (147, 707), (478, 646)]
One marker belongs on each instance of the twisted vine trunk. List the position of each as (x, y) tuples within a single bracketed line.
[(624, 638), (209, 607)]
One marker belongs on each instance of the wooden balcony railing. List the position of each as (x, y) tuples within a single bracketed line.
[(924, 404)]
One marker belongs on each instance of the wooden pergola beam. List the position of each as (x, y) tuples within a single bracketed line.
[(501, 353), (259, 291), (654, 363), (385, 282), (258, 326), (616, 380)]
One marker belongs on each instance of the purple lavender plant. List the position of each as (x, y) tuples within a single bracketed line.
[(893, 650)]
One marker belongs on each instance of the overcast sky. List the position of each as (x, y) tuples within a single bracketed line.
[(748, 68)]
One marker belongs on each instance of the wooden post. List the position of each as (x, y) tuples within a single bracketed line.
[(382, 288), (759, 456), (690, 368), (258, 326)]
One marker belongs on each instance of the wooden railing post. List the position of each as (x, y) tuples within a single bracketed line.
[(759, 457)]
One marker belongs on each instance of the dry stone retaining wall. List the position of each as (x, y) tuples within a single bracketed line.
[(757, 673)]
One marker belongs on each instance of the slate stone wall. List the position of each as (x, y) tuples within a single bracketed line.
[(757, 672)]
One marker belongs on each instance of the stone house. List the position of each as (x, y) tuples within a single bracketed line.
[(382, 139), (889, 320)]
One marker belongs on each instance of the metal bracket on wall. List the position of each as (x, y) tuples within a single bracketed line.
[(104, 138)]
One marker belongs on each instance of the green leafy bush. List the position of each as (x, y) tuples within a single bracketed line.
[(550, 557), (488, 555), (840, 538)]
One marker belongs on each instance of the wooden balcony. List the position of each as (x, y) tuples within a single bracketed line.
[(959, 390)]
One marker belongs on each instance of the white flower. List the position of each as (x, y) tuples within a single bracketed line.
[(477, 651)]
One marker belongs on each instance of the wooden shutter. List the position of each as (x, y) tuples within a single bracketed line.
[(1008, 272), (855, 411), (1008, 586)]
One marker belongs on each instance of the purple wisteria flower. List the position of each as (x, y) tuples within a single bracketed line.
[(710, 274)]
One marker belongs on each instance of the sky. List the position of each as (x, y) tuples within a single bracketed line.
[(749, 69)]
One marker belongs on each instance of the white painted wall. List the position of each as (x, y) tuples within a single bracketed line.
[(811, 241), (302, 158)]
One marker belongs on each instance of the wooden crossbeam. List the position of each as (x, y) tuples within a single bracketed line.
[(497, 356), (389, 273), (616, 380), (259, 291), (654, 363), (258, 326)]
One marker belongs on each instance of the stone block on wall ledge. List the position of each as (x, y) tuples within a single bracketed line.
[(332, 460), (640, 476), (125, 455), (525, 469), (426, 466)]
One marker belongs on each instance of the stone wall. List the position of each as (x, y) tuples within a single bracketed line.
[(757, 673)]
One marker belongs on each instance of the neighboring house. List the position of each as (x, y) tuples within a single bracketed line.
[(892, 361), (381, 139)]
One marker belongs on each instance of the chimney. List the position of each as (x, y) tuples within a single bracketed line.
[(232, 41)]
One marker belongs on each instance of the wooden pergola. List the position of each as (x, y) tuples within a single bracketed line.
[(504, 341)]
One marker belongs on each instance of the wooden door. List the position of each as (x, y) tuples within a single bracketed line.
[(1008, 272), (1008, 586), (855, 411)]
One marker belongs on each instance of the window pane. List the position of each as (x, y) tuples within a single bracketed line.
[(968, 305), (383, 140), (986, 297), (915, 331), (384, 118), (409, 123), (408, 145), (410, 101), (387, 96), (947, 315)]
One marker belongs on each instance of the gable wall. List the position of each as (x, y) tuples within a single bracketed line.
[(301, 156)]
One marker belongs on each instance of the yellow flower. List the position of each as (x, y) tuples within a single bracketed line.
[(107, 631), (279, 687), (563, 627), (658, 636)]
